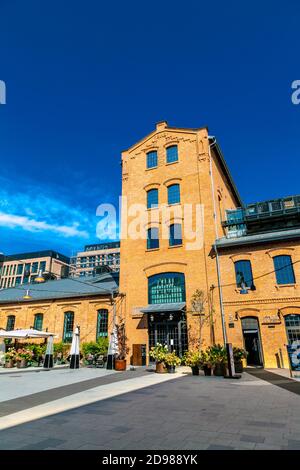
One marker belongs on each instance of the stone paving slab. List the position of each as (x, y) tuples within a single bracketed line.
[(183, 413)]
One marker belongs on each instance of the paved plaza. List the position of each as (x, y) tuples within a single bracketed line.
[(98, 409)]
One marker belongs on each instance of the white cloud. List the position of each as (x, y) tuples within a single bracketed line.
[(32, 225)]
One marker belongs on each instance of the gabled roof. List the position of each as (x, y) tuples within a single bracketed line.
[(164, 127), (104, 284)]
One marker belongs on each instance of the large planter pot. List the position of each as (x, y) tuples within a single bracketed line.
[(160, 368), (207, 371), (120, 364), (238, 366), (171, 369), (22, 364), (195, 370), (219, 370), (9, 364)]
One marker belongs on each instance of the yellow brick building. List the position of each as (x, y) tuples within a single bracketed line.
[(184, 173), (172, 168), (57, 306)]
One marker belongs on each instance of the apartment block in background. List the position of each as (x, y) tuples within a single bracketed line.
[(23, 268), (96, 258)]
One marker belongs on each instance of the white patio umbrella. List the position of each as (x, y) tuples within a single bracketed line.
[(113, 348), (74, 362), (27, 333), (48, 362)]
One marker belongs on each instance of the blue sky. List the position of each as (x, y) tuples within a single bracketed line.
[(87, 79)]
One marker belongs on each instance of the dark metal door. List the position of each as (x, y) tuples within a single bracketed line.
[(252, 347)]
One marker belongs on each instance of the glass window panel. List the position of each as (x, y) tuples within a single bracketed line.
[(243, 273), (284, 269), (172, 154), (38, 321), (11, 319), (152, 198), (68, 327), (166, 288), (152, 238), (151, 159), (174, 194), (175, 235), (102, 323), (292, 325)]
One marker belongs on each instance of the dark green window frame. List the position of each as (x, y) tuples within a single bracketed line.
[(102, 323), (166, 288), (68, 327), (10, 324), (38, 321)]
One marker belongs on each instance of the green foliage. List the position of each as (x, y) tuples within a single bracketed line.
[(191, 358), (61, 348), (217, 354), (99, 347), (239, 354), (158, 352), (171, 359)]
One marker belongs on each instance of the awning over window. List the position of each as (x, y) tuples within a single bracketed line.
[(160, 308)]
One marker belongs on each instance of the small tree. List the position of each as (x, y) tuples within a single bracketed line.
[(198, 302)]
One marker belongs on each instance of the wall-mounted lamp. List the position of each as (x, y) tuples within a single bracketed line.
[(171, 316), (236, 317), (27, 296), (151, 318)]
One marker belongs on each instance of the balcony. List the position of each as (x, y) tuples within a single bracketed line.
[(276, 214)]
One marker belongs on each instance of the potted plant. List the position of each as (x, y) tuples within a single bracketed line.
[(171, 360), (238, 355), (120, 359), (10, 357), (205, 362), (218, 357), (158, 353), (23, 356), (192, 360)]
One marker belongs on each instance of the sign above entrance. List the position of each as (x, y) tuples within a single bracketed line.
[(270, 319)]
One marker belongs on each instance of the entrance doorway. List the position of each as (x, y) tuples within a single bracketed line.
[(168, 329), (252, 341)]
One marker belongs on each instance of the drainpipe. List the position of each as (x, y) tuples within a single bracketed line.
[(216, 236)]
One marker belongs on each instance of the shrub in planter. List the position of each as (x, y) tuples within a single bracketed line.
[(238, 355), (158, 353), (192, 360), (205, 362), (120, 359), (61, 352), (171, 361), (218, 358), (10, 357), (23, 356)]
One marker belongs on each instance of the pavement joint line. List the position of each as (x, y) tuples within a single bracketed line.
[(45, 396), (85, 397)]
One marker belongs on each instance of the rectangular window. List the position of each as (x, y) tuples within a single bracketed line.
[(35, 266), (172, 154), (175, 235), (243, 273), (10, 324), (20, 269), (152, 238), (152, 198), (43, 266), (174, 194), (38, 322), (102, 323), (18, 280), (284, 269), (68, 327), (151, 159)]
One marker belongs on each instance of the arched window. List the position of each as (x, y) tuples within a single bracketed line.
[(38, 321), (172, 154), (284, 269), (174, 194), (10, 324), (292, 325), (152, 238), (102, 323), (68, 327), (152, 159), (243, 273), (152, 198), (166, 288), (175, 235)]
